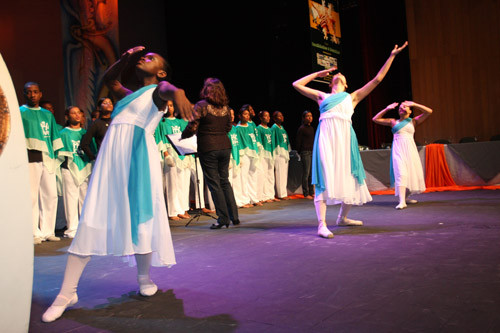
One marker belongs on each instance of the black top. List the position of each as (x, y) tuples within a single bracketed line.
[(211, 125), (97, 131), (305, 138)]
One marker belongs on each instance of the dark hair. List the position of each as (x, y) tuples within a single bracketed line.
[(275, 114), (213, 92), (68, 109), (245, 107), (304, 114), (261, 113), (102, 99), (166, 67), (66, 113), (30, 83)]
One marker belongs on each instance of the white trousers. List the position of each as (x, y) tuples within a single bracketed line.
[(281, 176), (43, 200), (173, 190), (184, 177), (248, 180), (266, 179), (73, 196), (235, 180)]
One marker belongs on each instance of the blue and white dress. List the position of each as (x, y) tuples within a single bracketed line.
[(124, 211), (406, 167), (337, 169)]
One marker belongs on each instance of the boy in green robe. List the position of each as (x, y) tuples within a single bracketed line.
[(42, 141)]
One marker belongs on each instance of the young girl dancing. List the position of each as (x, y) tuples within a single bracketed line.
[(124, 211), (407, 173), (338, 174)]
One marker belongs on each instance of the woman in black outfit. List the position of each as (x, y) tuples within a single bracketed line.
[(212, 123)]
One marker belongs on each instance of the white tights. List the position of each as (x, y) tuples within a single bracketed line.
[(76, 264), (320, 206)]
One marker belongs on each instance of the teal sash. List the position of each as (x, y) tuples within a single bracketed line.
[(394, 130), (122, 103), (139, 183), (332, 100), (139, 180), (357, 169)]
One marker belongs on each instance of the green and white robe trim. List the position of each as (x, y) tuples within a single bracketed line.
[(235, 150), (40, 130), (79, 166), (282, 143), (248, 141), (266, 142)]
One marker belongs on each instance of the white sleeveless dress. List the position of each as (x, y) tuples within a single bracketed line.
[(105, 222), (408, 171), (334, 144)]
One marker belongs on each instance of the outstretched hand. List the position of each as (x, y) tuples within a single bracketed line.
[(408, 103), (391, 106), (326, 72), (133, 51), (397, 49), (183, 105)]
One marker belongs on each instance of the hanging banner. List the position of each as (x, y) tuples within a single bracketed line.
[(325, 35), (90, 46)]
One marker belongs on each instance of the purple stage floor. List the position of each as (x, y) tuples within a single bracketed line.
[(434, 266)]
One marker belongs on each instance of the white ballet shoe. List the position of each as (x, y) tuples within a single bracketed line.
[(345, 222), (411, 201), (324, 232), (56, 311), (146, 286), (401, 206)]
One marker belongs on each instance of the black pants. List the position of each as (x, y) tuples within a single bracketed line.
[(306, 160), (215, 165)]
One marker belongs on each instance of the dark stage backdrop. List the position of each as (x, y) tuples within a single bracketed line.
[(259, 48), (256, 48)]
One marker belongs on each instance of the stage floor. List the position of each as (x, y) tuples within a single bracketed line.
[(434, 266)]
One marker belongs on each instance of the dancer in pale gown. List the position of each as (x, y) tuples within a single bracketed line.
[(337, 170), (124, 211), (407, 174)]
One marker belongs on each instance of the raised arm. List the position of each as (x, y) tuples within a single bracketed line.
[(113, 73), (301, 84), (377, 119), (167, 91), (361, 93), (426, 112)]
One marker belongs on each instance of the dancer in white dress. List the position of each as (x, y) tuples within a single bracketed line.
[(124, 212), (337, 169), (407, 174)]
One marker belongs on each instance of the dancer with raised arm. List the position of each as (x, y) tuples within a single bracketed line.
[(407, 174), (124, 211), (338, 174)]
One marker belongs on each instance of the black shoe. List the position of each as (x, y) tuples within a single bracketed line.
[(218, 226), (236, 222)]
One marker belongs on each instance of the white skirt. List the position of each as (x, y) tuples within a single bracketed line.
[(408, 171), (105, 224), (334, 144)]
